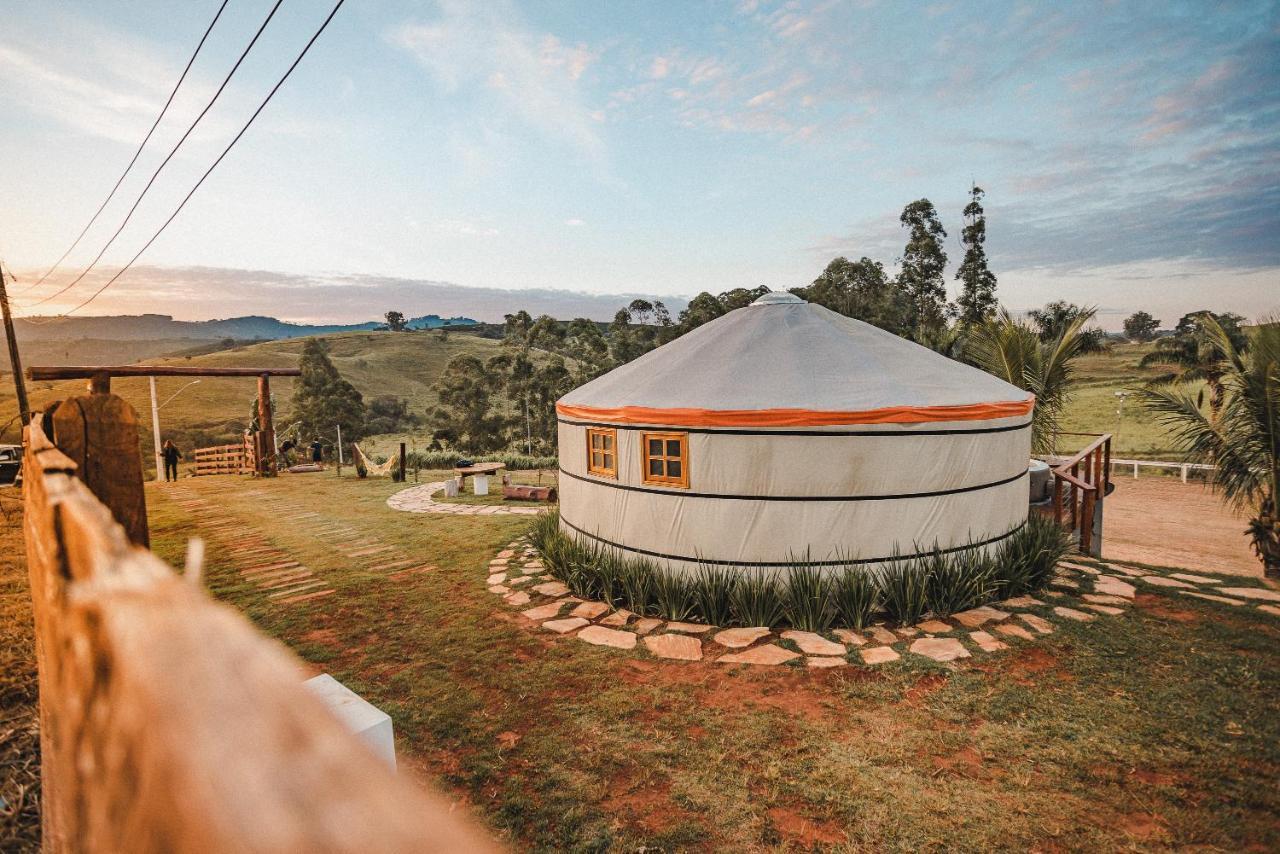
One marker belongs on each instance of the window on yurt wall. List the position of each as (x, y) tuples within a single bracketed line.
[(602, 451), (665, 457)]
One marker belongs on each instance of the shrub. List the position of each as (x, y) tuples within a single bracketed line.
[(905, 585), (1026, 561), (448, 459), (713, 593), (855, 594), (808, 603), (958, 581), (756, 600)]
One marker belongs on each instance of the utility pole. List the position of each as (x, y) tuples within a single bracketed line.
[(155, 430), (19, 384)]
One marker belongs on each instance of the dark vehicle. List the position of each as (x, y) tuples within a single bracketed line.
[(10, 463)]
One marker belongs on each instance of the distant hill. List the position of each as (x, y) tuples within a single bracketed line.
[(162, 327), (403, 365)]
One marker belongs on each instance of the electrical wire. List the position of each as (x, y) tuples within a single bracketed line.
[(136, 154), (169, 157), (224, 153)]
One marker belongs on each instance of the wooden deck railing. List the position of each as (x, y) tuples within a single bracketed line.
[(1078, 484), (168, 723)]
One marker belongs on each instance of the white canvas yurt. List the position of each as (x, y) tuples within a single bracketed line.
[(784, 427)]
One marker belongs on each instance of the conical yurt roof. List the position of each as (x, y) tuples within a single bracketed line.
[(784, 362)]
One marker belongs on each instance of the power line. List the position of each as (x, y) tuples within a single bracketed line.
[(169, 157), (136, 154), (224, 153)]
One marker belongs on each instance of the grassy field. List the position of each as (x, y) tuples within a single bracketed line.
[(1156, 729), (216, 410), (19, 725), (1094, 407)]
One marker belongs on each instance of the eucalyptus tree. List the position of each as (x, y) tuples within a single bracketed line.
[(924, 261), (977, 300)]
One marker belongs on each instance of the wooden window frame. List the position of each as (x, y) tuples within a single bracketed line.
[(612, 453), (681, 482)]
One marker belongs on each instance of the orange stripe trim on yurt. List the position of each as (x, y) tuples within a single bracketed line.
[(795, 417)]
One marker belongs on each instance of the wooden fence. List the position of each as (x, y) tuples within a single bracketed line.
[(168, 723), (225, 459)]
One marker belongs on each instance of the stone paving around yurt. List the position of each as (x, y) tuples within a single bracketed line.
[(1083, 590), (418, 499)]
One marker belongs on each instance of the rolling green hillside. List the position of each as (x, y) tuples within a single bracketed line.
[(405, 365)]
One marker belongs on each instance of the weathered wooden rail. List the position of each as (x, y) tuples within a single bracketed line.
[(1079, 484), (168, 723), (224, 459)]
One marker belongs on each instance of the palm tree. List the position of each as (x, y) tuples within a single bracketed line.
[(1013, 350), (1192, 354), (1243, 438)]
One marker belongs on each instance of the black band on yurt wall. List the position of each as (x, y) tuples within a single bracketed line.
[(683, 493), (786, 563), (958, 431)]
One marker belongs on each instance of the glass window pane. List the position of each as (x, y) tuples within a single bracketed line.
[(655, 447), (673, 447), (607, 441), (655, 467), (673, 468), (607, 461)]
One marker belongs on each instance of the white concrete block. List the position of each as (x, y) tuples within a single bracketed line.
[(360, 717), (481, 484)]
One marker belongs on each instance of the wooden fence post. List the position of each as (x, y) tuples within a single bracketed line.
[(100, 435), (267, 457)]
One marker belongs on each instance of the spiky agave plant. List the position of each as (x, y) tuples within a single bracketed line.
[(905, 587), (756, 599), (713, 591), (855, 591), (637, 583), (673, 593), (1243, 441), (807, 602), (1027, 559), (959, 580)]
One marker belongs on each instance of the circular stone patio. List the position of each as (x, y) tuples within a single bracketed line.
[(418, 499), (1083, 590)]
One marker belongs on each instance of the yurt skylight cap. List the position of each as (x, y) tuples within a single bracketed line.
[(779, 298)]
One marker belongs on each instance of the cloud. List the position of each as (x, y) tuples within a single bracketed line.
[(575, 222), (201, 293), (484, 47)]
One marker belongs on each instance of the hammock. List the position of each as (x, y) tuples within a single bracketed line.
[(373, 468)]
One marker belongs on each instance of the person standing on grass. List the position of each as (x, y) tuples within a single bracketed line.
[(171, 457), (317, 451)]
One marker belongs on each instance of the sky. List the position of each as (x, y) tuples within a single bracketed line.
[(1130, 152)]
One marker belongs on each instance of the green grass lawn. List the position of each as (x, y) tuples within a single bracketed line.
[(1094, 407), (1150, 730)]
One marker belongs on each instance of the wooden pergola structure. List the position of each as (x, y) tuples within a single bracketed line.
[(99, 377)]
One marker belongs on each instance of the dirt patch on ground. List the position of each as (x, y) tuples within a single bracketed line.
[(1159, 606), (645, 803), (791, 826), (323, 637), (1164, 522)]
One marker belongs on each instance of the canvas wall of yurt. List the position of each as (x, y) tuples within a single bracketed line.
[(785, 431)]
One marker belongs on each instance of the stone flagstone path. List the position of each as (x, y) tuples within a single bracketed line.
[(273, 569), (417, 499), (1083, 591)]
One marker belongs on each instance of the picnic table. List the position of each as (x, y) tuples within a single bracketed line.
[(478, 468)]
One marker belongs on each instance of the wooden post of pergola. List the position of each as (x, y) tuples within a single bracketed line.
[(99, 377)]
